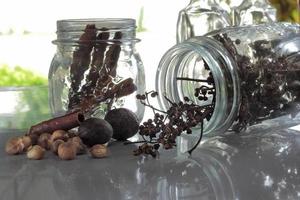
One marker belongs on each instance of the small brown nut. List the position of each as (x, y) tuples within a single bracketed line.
[(43, 140), (55, 145), (77, 142), (98, 151), (67, 151), (14, 146), (26, 141), (36, 153), (58, 134)]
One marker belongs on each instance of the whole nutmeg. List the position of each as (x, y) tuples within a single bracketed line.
[(124, 123), (98, 151), (36, 152), (67, 151), (58, 134), (95, 131), (44, 140), (14, 146), (55, 145), (77, 142), (26, 141)]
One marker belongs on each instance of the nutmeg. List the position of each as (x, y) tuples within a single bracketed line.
[(14, 146), (43, 140), (55, 145), (36, 152), (58, 134), (98, 151), (67, 151)]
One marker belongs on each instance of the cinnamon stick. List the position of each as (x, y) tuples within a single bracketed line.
[(66, 122), (81, 62)]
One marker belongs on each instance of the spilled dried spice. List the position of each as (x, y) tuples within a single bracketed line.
[(163, 129)]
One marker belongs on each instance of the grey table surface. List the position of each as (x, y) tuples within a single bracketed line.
[(247, 166)]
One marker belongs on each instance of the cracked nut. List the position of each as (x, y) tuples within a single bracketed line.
[(67, 151), (98, 151), (14, 146), (36, 152)]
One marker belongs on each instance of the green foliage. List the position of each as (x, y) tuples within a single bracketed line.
[(18, 76), (140, 26)]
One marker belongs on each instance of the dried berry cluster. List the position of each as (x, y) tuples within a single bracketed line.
[(270, 83), (180, 118), (64, 144)]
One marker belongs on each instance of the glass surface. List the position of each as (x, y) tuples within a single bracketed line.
[(199, 18), (255, 12)]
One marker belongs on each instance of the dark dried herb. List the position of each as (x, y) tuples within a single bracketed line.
[(270, 83), (180, 118)]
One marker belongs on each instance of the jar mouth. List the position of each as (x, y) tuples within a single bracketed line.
[(182, 56), (110, 23), (69, 31)]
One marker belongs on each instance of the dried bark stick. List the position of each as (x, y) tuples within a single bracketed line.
[(65, 122), (97, 62), (81, 62)]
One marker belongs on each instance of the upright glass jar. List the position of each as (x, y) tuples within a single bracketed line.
[(96, 67), (255, 12), (255, 72), (199, 18)]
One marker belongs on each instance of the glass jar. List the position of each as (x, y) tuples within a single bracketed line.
[(255, 12), (96, 67), (254, 74), (199, 18)]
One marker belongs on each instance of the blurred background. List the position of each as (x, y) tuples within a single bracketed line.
[(28, 27)]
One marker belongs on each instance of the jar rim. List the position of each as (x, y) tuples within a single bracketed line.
[(69, 31)]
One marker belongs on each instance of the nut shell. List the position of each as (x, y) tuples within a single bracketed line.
[(26, 141), (99, 151), (77, 142), (43, 140), (14, 146), (36, 153), (67, 151), (55, 145), (58, 134)]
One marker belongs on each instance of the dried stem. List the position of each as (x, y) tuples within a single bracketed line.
[(198, 142), (65, 122)]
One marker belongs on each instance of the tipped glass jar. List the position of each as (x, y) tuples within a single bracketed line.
[(246, 74), (96, 67)]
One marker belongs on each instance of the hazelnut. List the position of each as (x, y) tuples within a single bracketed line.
[(58, 134), (26, 141), (55, 145), (98, 151), (77, 142), (36, 152), (67, 151), (14, 146), (43, 140)]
